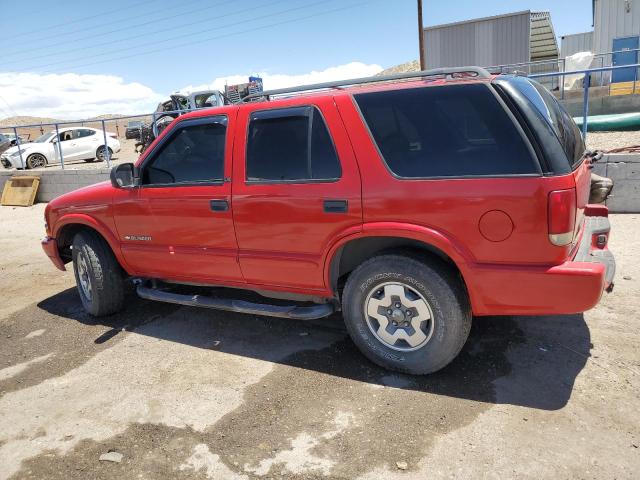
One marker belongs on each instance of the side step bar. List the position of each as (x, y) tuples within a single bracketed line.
[(240, 306)]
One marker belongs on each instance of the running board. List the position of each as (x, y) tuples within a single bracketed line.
[(240, 306)]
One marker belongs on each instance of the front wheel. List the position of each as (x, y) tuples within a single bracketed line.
[(36, 160), (406, 315), (98, 275)]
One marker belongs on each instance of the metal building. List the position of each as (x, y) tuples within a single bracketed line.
[(613, 20), (574, 43), (616, 28), (518, 37)]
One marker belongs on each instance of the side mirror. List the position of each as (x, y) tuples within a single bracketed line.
[(123, 176), (54, 140)]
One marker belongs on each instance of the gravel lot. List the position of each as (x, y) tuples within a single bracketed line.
[(611, 140), (187, 393)]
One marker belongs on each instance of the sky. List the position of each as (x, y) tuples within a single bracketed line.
[(77, 58)]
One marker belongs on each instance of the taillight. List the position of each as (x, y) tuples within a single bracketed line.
[(562, 216)]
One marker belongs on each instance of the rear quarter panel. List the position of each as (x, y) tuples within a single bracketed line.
[(454, 207)]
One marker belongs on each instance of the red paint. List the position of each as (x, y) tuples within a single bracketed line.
[(277, 236), (495, 226), (50, 247)]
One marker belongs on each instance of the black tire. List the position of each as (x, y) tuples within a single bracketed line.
[(36, 160), (444, 294), (100, 157), (103, 274)]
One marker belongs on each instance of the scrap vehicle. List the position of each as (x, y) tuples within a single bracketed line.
[(75, 143), (5, 142), (133, 130), (407, 202), (169, 110)]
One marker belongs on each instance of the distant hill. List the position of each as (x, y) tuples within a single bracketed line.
[(412, 66), (28, 120)]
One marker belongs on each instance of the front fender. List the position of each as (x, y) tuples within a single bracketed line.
[(95, 224)]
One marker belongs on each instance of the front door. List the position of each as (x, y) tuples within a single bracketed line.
[(71, 148), (627, 54), (178, 224), (296, 188)]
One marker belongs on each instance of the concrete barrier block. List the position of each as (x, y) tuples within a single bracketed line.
[(625, 197), (600, 168), (623, 171)]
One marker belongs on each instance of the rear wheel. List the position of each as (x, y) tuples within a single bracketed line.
[(101, 154), (406, 315), (99, 277), (36, 160)]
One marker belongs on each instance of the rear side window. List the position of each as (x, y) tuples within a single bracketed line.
[(563, 125), (290, 144), (84, 132), (193, 154), (449, 131)]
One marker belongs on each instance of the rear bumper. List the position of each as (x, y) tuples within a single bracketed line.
[(50, 247), (574, 286)]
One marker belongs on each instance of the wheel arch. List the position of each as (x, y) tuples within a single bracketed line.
[(68, 226), (350, 251)]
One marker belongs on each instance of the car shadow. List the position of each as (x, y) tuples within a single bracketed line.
[(526, 361)]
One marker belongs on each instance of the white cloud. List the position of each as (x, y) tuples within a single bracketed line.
[(281, 80), (73, 96)]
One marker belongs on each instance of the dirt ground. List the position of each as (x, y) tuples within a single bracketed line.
[(187, 393)]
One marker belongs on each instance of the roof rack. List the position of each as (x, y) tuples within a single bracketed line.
[(447, 73)]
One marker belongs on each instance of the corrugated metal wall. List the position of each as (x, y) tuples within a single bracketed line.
[(578, 42), (613, 21), (487, 42)]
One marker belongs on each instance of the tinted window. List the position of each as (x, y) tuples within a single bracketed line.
[(563, 125), (192, 154), (290, 144), (448, 131)]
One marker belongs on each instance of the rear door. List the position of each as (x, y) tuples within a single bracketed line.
[(296, 189), (88, 142)]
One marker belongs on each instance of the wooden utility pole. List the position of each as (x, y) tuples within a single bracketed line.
[(421, 36)]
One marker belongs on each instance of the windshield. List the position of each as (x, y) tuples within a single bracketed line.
[(134, 124), (563, 125), (44, 138)]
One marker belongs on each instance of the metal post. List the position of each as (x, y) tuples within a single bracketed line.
[(58, 143), (421, 36), (15, 132), (602, 73), (635, 80), (564, 69), (585, 107), (106, 146)]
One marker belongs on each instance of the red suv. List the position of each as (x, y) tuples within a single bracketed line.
[(410, 205)]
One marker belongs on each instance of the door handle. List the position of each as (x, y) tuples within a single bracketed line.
[(336, 206), (219, 205)]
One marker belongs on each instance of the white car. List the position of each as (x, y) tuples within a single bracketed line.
[(77, 143)]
